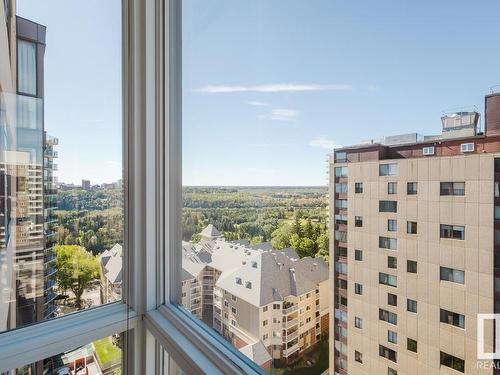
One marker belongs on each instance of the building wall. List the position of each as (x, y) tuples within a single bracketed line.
[(429, 210)]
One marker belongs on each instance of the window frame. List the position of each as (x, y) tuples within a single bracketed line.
[(149, 314)]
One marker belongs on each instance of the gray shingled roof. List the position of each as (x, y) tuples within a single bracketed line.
[(210, 231), (112, 263), (257, 352)]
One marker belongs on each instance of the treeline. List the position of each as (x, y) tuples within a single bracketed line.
[(287, 217), (98, 199), (96, 231)]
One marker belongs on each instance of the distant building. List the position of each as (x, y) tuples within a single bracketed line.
[(210, 233), (415, 248), (111, 264), (257, 298), (86, 184)]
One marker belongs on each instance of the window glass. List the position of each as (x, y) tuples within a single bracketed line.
[(411, 266), (61, 152), (387, 243), (392, 262), (392, 225), (392, 337), (411, 227), (452, 231), (388, 169), (358, 255), (452, 188), (103, 356), (358, 187), (392, 299), (411, 188), (26, 67), (411, 305), (392, 188), (388, 206)]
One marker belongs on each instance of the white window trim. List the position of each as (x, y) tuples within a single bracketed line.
[(148, 315)]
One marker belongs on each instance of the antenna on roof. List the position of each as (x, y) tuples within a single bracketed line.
[(494, 89)]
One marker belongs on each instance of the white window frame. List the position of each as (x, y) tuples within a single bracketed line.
[(149, 316), (466, 147), (428, 150)]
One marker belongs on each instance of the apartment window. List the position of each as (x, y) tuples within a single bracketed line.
[(233, 310), (497, 212), (428, 150), (386, 279), (497, 189), (452, 362), (411, 227), (411, 305), (26, 67), (341, 203), (358, 289), (388, 316), (308, 320), (265, 336), (388, 206), (392, 225), (340, 171), (341, 251), (233, 323), (391, 371), (358, 221), (340, 157), (341, 187), (387, 353), (467, 147), (411, 345), (456, 232), (276, 306), (358, 187), (452, 188), (450, 274), (264, 309), (264, 323), (411, 266), (308, 308), (358, 322), (358, 357), (387, 243), (392, 299), (341, 283), (341, 315), (358, 255), (392, 337), (392, 262), (341, 235), (411, 188), (340, 219), (340, 268), (388, 169), (449, 317), (392, 188), (233, 297)]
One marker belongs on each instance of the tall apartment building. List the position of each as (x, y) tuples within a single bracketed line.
[(27, 192), (269, 304), (414, 223)]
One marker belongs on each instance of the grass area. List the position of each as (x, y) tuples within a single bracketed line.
[(106, 351), (319, 357)]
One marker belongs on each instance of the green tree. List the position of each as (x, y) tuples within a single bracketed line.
[(296, 226), (76, 269), (280, 238), (309, 230)]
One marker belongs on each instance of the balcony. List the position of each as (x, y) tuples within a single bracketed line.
[(290, 323), (291, 336), (288, 352), (290, 309)]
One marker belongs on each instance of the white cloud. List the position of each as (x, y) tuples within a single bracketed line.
[(280, 114), (258, 104), (273, 87), (323, 142)]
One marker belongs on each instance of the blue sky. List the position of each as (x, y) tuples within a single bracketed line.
[(270, 86)]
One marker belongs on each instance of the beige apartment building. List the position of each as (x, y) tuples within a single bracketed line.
[(415, 245), (270, 304)]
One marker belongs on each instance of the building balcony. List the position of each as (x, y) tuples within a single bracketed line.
[(289, 351), (290, 309), (289, 337), (290, 323)]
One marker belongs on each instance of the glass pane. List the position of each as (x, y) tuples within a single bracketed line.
[(256, 244), (61, 199), (102, 356)]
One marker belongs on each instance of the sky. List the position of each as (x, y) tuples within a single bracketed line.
[(271, 86)]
